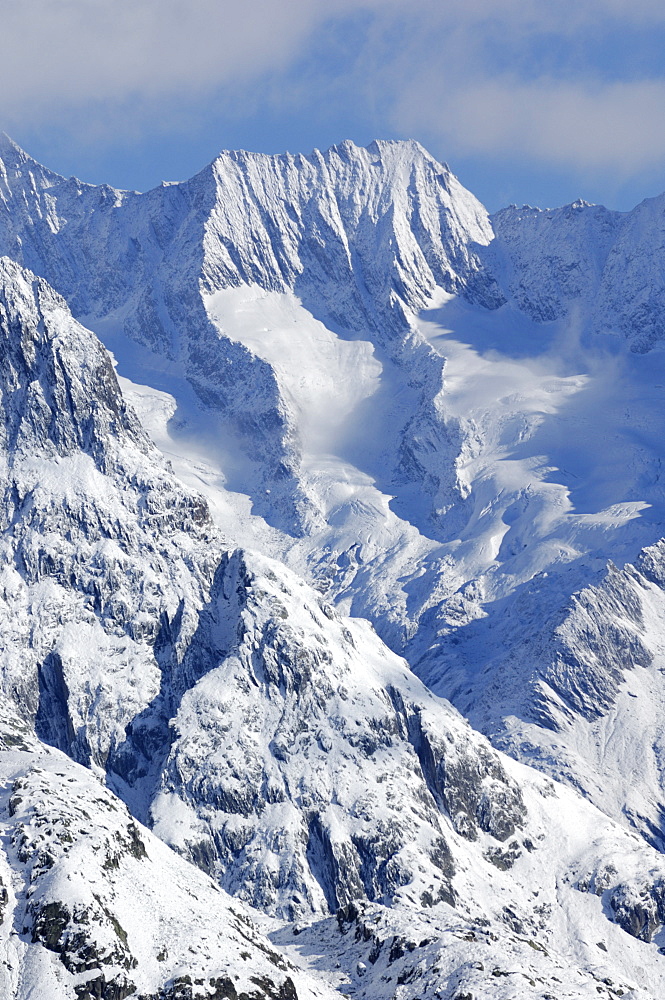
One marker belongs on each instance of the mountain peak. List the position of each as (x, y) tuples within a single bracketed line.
[(14, 158), (8, 144), (407, 146), (13, 154), (386, 150)]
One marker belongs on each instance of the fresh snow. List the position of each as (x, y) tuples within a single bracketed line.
[(346, 390)]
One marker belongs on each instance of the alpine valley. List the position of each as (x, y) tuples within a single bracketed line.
[(332, 587)]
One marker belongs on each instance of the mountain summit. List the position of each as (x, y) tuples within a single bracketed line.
[(362, 458)]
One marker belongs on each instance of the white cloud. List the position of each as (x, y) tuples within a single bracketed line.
[(452, 82), (80, 50), (436, 64), (617, 126), (75, 51)]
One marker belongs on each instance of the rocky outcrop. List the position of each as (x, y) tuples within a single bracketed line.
[(104, 911), (600, 638), (225, 700), (307, 760), (101, 548), (636, 903)]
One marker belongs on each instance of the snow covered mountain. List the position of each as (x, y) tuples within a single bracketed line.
[(344, 389), (283, 749), (94, 906)]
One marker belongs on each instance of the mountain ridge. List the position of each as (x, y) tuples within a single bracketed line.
[(414, 414), (263, 736)]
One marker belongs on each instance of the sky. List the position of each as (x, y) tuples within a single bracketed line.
[(533, 102)]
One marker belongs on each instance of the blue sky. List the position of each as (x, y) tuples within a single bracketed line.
[(536, 101)]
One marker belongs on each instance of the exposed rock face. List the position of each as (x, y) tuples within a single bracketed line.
[(554, 258), (57, 398), (276, 744), (634, 901), (598, 641), (307, 762), (579, 692), (96, 907), (639, 913), (100, 909), (219, 683), (360, 234), (580, 658), (101, 546), (586, 257)]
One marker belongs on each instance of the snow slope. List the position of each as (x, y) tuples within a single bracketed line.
[(428, 472), (282, 748), (95, 906), (445, 423), (429, 414)]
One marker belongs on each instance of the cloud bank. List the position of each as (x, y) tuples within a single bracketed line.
[(542, 81)]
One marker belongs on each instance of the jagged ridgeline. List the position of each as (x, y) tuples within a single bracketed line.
[(93, 906), (134, 643), (281, 748), (362, 237), (151, 661)]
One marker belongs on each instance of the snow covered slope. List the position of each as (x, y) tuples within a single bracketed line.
[(101, 546), (360, 236), (604, 262), (121, 611), (282, 748), (565, 432), (445, 423), (426, 413), (93, 906)]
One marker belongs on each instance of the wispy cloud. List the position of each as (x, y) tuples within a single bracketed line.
[(75, 51), (485, 77), (613, 125)]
